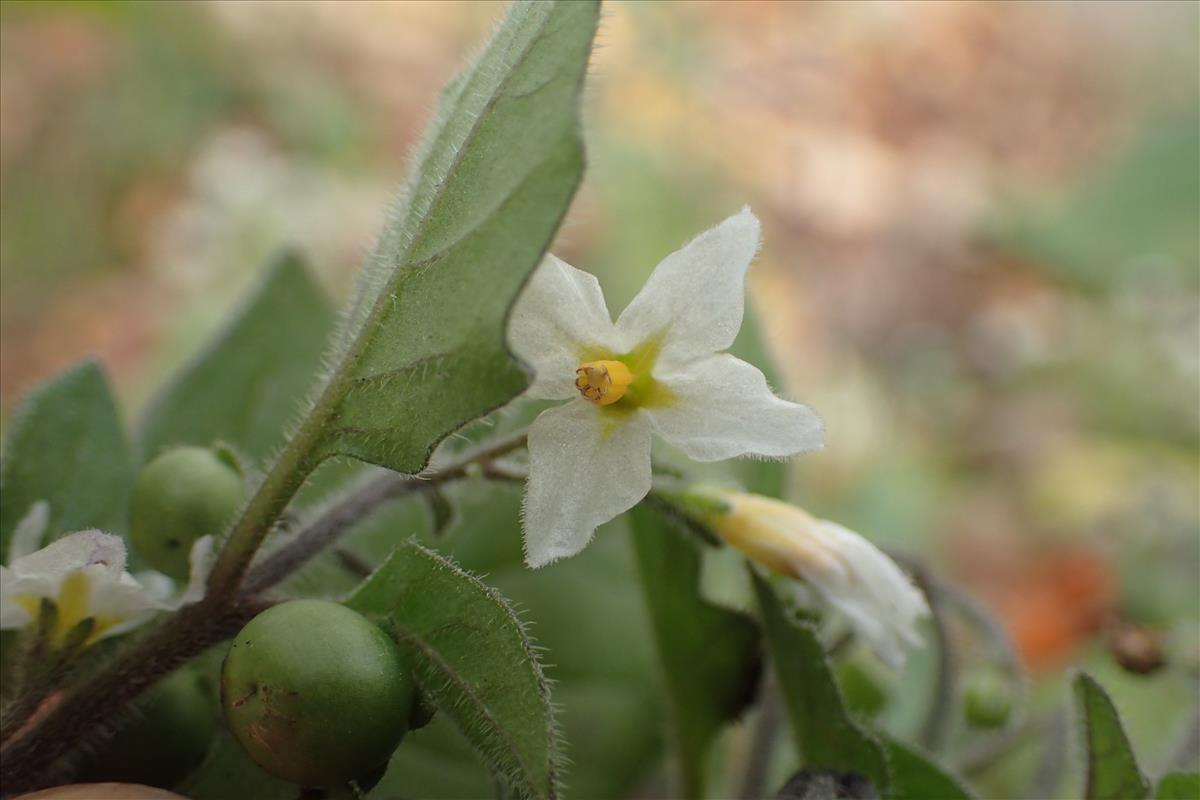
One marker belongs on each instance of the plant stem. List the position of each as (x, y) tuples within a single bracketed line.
[(340, 517), (933, 731), (277, 489), (762, 744)]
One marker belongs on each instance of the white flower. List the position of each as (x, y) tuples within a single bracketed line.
[(849, 573), (84, 575), (659, 369)]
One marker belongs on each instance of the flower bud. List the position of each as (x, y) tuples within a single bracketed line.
[(167, 737), (182, 495), (849, 573), (988, 699), (315, 693)]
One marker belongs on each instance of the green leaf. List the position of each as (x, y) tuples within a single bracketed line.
[(826, 737), (1179, 786), (472, 658), (249, 382), (423, 350), (711, 657), (65, 445), (1112, 770), (916, 777)]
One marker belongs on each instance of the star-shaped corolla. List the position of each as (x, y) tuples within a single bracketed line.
[(849, 573), (83, 575), (659, 369)]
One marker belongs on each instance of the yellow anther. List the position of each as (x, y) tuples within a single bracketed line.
[(603, 382)]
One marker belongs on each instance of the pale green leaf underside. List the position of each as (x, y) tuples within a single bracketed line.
[(472, 658), (710, 656), (250, 381), (65, 444), (423, 351), (1112, 769), (825, 735)]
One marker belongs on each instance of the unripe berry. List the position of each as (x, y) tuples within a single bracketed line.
[(988, 699), (315, 693), (166, 739), (182, 495)]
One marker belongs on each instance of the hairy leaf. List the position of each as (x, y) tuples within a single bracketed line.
[(65, 445), (711, 657), (916, 777), (1179, 786), (250, 380), (1112, 769), (826, 737), (423, 350), (472, 658)]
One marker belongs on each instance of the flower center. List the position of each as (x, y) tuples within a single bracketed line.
[(603, 382)]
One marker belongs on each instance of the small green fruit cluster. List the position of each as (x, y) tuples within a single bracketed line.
[(182, 495), (315, 693)]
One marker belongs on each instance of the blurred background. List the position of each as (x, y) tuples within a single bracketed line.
[(980, 260)]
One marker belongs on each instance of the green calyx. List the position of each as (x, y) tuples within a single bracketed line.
[(701, 502)]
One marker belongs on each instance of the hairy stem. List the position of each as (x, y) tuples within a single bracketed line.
[(277, 489), (340, 517)]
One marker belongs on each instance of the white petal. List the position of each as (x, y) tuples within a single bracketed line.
[(27, 536), (586, 466), (559, 315), (73, 552), (723, 408), (695, 296), (876, 596), (159, 587), (11, 614), (125, 600), (200, 560)]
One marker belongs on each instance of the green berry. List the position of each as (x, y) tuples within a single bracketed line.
[(315, 693), (166, 738), (182, 495), (988, 700)]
